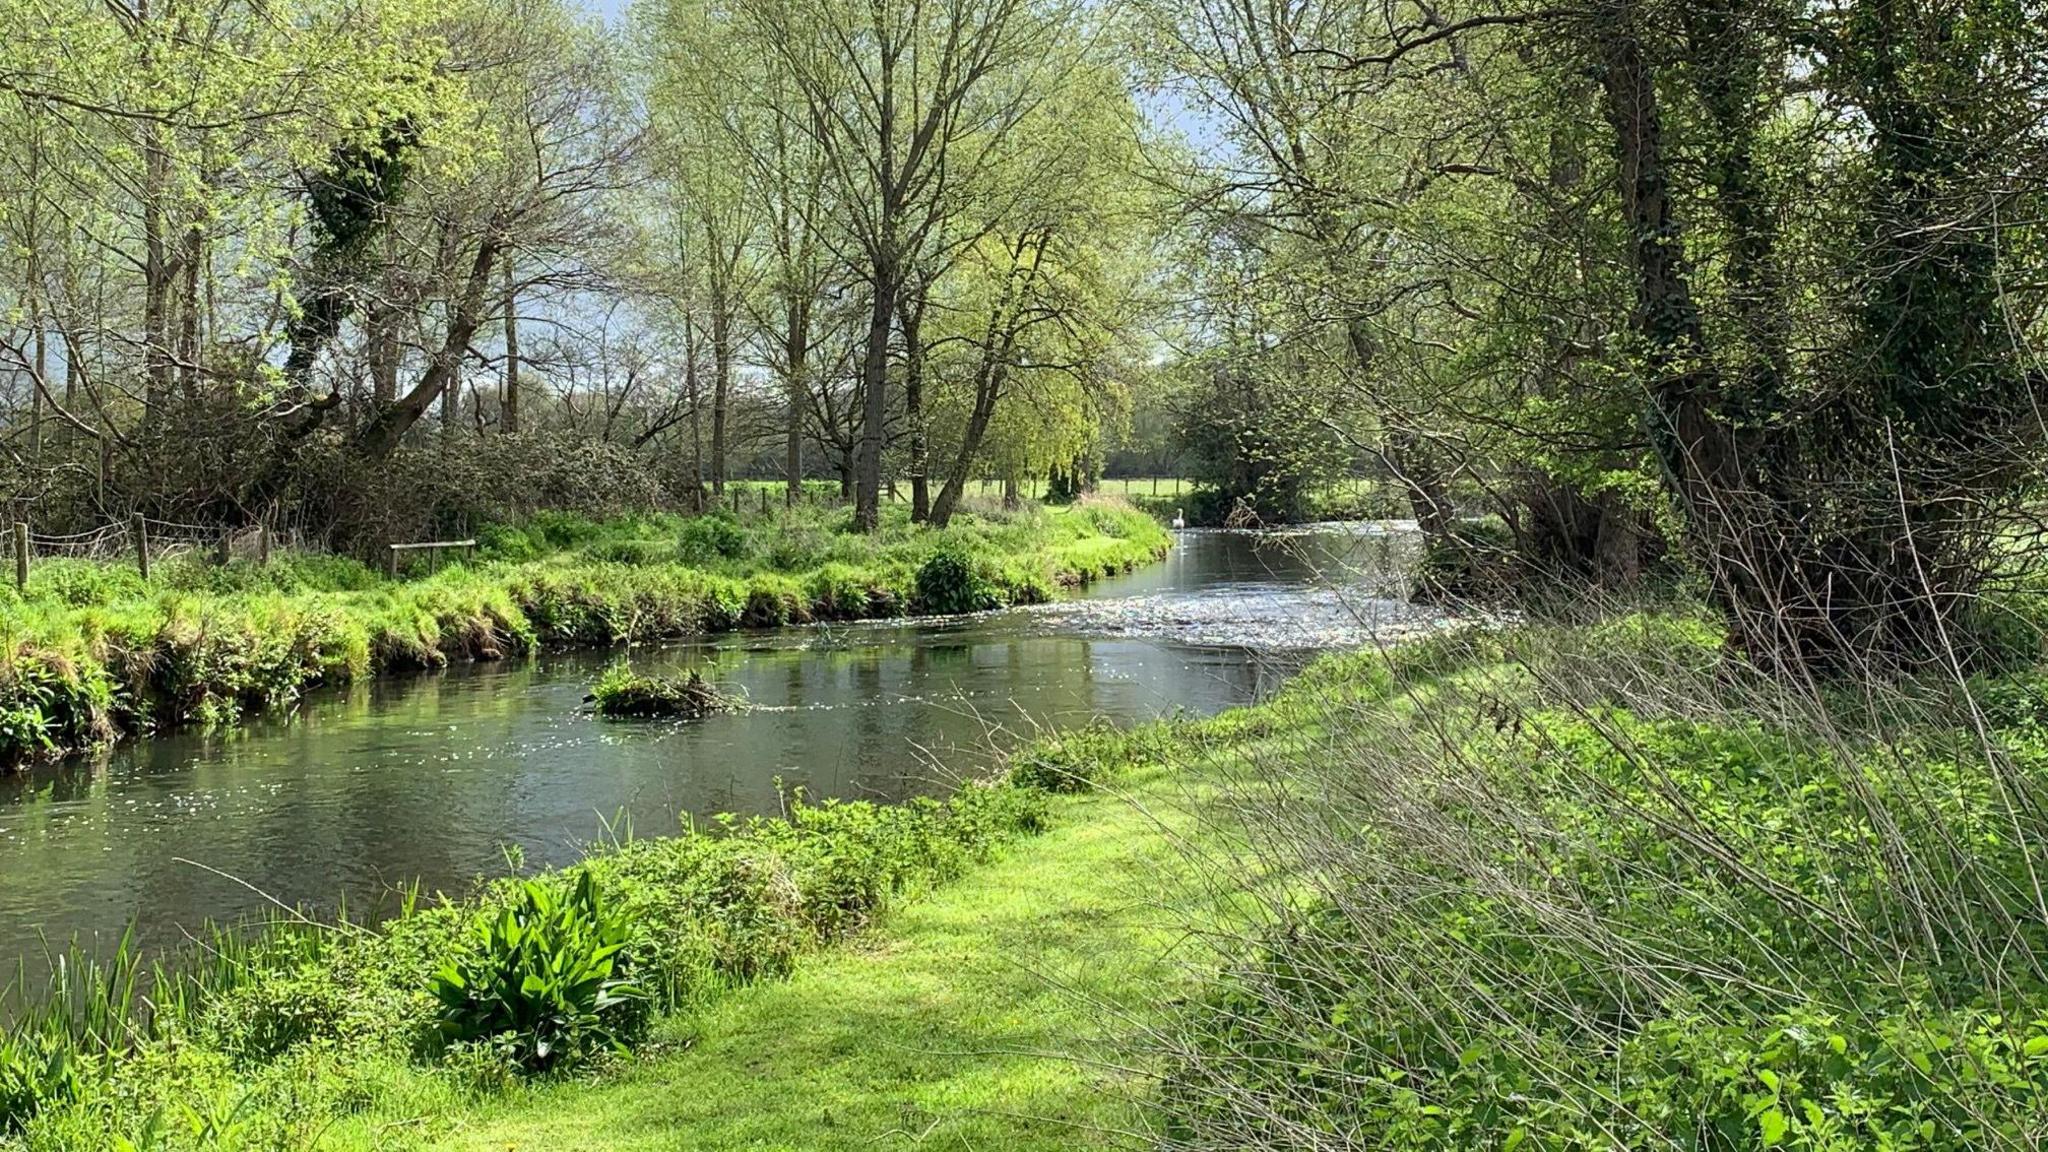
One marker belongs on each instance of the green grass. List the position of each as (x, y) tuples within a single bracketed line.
[(92, 653), (978, 1018)]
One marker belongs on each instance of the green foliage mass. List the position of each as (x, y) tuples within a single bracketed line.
[(620, 691), (1695, 937), (546, 980)]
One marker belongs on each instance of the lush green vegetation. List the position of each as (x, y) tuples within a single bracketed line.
[(624, 692), (929, 1023), (1546, 887), (1608, 887), (92, 652), (521, 976), (1734, 302)]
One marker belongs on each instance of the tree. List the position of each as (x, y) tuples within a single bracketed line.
[(911, 105)]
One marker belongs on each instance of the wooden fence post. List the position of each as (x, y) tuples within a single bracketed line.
[(21, 556), (225, 549), (140, 531), (263, 544), (394, 562), (735, 500)]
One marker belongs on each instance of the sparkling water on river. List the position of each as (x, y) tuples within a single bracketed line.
[(435, 779)]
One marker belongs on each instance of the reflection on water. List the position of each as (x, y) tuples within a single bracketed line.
[(432, 778)]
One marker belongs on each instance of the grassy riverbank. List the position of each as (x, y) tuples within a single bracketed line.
[(993, 1015), (538, 989), (92, 653)]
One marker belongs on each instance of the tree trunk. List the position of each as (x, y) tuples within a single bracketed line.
[(190, 260), (867, 494), (721, 379), (1415, 470), (155, 264), (381, 436), (42, 362), (988, 388), (382, 335), (156, 288), (911, 321), (691, 394), (796, 344), (383, 330), (793, 444), (509, 402)]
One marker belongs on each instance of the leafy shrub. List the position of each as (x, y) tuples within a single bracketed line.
[(798, 549), (506, 542), (949, 582), (635, 552), (563, 530), (711, 539), (1072, 761), (546, 977), (35, 1072)]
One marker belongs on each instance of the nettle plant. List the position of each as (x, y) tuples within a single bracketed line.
[(546, 980)]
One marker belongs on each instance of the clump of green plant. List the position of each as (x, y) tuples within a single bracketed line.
[(711, 539), (1074, 761), (624, 692), (547, 980), (950, 582), (36, 1071)]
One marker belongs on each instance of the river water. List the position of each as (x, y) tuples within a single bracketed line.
[(440, 778)]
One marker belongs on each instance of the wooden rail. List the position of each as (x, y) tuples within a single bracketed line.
[(426, 546)]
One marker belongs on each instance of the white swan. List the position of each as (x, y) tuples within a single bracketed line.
[(1178, 522)]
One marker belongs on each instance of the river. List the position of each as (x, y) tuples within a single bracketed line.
[(440, 778)]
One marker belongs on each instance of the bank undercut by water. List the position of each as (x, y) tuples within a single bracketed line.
[(93, 653)]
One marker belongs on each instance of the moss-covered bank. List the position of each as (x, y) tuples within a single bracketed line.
[(92, 653)]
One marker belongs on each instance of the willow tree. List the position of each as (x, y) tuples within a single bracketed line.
[(910, 103), (1043, 301), (1328, 168), (704, 111)]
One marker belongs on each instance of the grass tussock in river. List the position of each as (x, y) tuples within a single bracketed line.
[(92, 653)]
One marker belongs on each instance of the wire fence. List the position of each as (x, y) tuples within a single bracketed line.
[(160, 540)]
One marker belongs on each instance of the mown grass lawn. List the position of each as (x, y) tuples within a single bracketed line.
[(991, 1015)]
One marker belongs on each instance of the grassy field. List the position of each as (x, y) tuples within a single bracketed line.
[(92, 652)]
